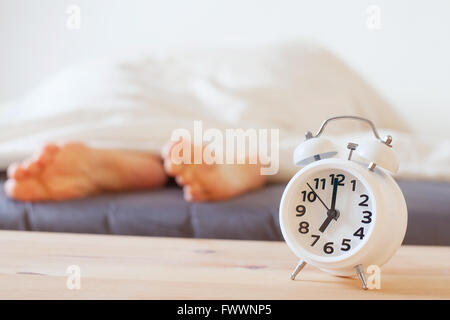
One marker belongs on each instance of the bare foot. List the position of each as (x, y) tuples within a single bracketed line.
[(206, 182), (74, 170)]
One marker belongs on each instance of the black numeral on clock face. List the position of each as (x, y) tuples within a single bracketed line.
[(316, 238), (320, 183), (301, 210), (367, 218), (311, 196), (359, 233), (317, 197), (345, 245), (327, 248), (363, 203), (304, 227), (340, 178)]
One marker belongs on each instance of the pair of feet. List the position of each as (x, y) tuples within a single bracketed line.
[(75, 170)]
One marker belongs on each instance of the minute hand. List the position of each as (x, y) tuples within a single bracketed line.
[(332, 213), (333, 197)]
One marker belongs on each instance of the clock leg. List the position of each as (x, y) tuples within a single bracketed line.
[(361, 275), (301, 264)]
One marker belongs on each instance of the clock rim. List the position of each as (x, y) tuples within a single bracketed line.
[(329, 164)]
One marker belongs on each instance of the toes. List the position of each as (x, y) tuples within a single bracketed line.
[(16, 171), (47, 153), (50, 148), (25, 170), (194, 192), (34, 165), (176, 155), (31, 167), (26, 190), (185, 177), (171, 168)]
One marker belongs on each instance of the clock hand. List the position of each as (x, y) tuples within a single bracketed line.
[(333, 197), (332, 213), (317, 196), (330, 216)]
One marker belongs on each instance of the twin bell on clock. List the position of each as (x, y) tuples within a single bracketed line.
[(342, 214)]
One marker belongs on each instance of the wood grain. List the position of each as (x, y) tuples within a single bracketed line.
[(121, 267)]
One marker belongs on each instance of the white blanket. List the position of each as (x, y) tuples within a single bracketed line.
[(137, 103)]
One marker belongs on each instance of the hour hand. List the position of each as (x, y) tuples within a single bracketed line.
[(331, 215)]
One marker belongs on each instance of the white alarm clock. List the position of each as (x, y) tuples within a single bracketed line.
[(339, 214)]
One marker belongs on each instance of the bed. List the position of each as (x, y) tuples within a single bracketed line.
[(138, 103), (164, 213)]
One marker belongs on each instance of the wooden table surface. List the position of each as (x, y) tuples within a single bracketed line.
[(33, 266)]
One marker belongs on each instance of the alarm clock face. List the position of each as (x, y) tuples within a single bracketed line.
[(330, 213)]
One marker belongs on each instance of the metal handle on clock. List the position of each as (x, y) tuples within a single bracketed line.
[(370, 123)]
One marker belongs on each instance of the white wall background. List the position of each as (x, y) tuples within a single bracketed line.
[(408, 60)]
